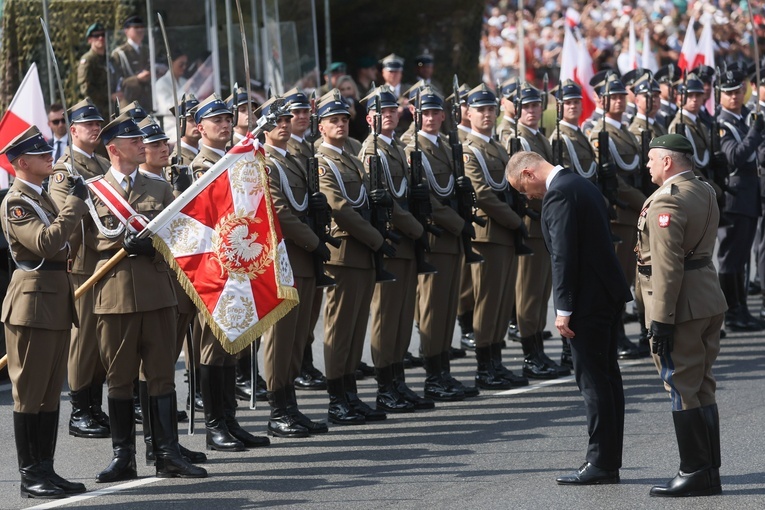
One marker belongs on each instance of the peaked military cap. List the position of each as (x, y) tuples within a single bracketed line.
[(692, 83), (210, 107), (152, 131), (30, 141), (84, 111), (613, 86), (296, 100), (667, 74), (645, 85), (424, 59), (331, 104), (630, 77), (463, 91), (508, 88), (529, 93), (266, 107), (672, 142), (241, 98), (387, 98), (481, 96), (189, 104), (731, 79), (133, 21), (392, 62), (411, 92), (430, 100), (705, 73), (135, 110), (569, 89), (123, 126)]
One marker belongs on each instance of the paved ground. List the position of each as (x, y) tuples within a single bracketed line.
[(497, 451)]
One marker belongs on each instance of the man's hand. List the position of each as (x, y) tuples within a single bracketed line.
[(137, 246), (78, 188), (463, 183), (318, 202), (662, 338), (181, 179), (387, 249), (561, 322), (380, 198), (419, 193), (323, 252)]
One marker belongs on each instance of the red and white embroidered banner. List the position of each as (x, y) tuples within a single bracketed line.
[(116, 203), (223, 239)]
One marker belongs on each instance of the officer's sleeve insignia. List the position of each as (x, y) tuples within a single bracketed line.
[(722, 132), (664, 219), (58, 177), (596, 143), (466, 158), (322, 171), (198, 174), (83, 61), (17, 213)]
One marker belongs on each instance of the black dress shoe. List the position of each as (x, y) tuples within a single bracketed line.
[(415, 361), (455, 353), (311, 378), (546, 334), (467, 341), (589, 474), (626, 349), (705, 482), (512, 332), (366, 369), (534, 368)]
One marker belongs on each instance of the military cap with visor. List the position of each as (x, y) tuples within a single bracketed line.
[(430, 100), (529, 93), (271, 103), (645, 85), (123, 126), (692, 84), (30, 141), (569, 89), (331, 104), (152, 131), (296, 100), (481, 96), (133, 21), (392, 62), (189, 104), (84, 111), (240, 96), (387, 98), (135, 110), (213, 106)]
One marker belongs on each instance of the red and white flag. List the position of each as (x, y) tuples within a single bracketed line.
[(576, 65), (705, 54), (223, 239), (572, 17), (27, 109), (688, 51), (633, 54)]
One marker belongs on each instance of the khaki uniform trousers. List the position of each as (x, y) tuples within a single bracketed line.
[(393, 313), (145, 340), (687, 370), (36, 367), (211, 352), (532, 288), (84, 362), (346, 314), (437, 303), (493, 292), (285, 341), (466, 302)]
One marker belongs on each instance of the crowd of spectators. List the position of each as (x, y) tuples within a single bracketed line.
[(605, 27)]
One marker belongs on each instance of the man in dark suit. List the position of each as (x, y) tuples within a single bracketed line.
[(589, 292)]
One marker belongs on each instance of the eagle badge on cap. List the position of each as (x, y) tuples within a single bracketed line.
[(58, 177), (664, 219), (17, 213)]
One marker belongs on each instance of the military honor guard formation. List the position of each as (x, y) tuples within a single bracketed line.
[(466, 210)]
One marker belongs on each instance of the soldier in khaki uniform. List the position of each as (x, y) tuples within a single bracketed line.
[(438, 292), (642, 88), (131, 62), (86, 373), (534, 277), (508, 124), (191, 136), (345, 184), (92, 79), (493, 292), (684, 308), (310, 378), (38, 309), (241, 122), (136, 330), (217, 368), (393, 302), (624, 152), (285, 341)]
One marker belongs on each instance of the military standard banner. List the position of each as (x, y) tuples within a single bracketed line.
[(223, 239)]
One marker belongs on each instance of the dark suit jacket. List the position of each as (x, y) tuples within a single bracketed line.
[(585, 269)]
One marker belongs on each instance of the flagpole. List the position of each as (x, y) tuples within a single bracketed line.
[(521, 44), (756, 45)]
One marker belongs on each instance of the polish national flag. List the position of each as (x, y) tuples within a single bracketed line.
[(705, 54), (572, 17), (633, 58), (576, 65), (26, 109), (688, 51)]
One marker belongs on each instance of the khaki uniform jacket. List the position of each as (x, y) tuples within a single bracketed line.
[(359, 239), (638, 124), (92, 81), (629, 150), (541, 145), (86, 257), (506, 131), (501, 220), (680, 216), (700, 137), (188, 154), (203, 161), (401, 218), (40, 299), (462, 133), (135, 284), (301, 150), (126, 75), (582, 159), (444, 216), (298, 236)]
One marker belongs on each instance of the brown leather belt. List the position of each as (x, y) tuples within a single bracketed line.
[(688, 265)]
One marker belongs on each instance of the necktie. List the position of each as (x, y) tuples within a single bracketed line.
[(127, 185), (57, 153)]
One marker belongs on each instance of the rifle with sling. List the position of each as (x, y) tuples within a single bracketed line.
[(607, 180), (557, 143), (718, 166), (511, 196)]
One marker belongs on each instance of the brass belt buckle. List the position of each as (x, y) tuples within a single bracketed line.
[(69, 265)]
